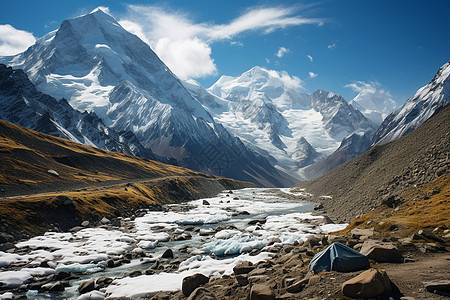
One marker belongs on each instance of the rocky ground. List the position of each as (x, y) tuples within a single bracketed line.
[(411, 264), (411, 271)]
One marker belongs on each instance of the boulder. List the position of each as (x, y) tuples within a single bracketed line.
[(85, 223), (261, 292), (369, 284), (205, 202), (381, 251), (190, 283), (440, 287), (243, 268), (431, 236), (86, 286), (359, 232)]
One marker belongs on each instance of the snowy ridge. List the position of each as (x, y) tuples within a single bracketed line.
[(23, 105), (98, 66), (268, 111), (417, 109)]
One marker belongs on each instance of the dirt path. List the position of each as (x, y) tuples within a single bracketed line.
[(409, 276), (10, 192)]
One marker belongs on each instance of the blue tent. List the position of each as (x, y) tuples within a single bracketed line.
[(338, 257)]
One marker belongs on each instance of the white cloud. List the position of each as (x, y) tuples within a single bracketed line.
[(267, 61), (237, 43), (312, 75), (332, 46), (171, 31), (187, 58), (310, 57), (288, 80), (281, 52), (14, 41)]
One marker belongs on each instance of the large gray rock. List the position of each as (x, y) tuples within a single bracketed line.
[(190, 283), (367, 285), (381, 251)]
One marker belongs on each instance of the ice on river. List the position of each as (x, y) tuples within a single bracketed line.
[(222, 228)]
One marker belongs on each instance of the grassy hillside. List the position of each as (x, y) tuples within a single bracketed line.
[(98, 183)]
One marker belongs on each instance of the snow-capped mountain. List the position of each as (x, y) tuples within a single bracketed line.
[(374, 104), (417, 109), (98, 66), (22, 104), (268, 111)]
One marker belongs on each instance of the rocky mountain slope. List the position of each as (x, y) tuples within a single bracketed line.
[(416, 109), (45, 169), (267, 110), (98, 66), (23, 105), (385, 172)]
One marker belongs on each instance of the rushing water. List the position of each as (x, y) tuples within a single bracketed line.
[(218, 237)]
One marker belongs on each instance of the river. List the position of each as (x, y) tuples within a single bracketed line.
[(207, 236)]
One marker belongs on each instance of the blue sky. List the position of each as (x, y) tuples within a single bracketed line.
[(394, 47)]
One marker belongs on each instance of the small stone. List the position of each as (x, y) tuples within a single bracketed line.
[(105, 221), (65, 200), (86, 286), (6, 238), (76, 228), (261, 292), (243, 268), (298, 286), (85, 223), (60, 275), (205, 202), (190, 283), (201, 294), (440, 287), (103, 282), (53, 172), (116, 223), (7, 246), (242, 279), (54, 287), (167, 254), (135, 273)]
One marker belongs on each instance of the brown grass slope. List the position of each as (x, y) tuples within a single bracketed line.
[(390, 174), (99, 183)]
